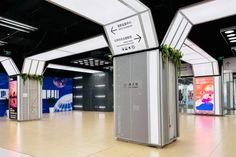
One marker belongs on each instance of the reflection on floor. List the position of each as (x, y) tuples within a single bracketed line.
[(230, 112), (80, 134), (9, 153)]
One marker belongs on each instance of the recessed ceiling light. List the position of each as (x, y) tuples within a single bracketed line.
[(76, 62), (232, 38), (91, 59), (229, 31), (231, 35), (106, 63), (233, 41), (81, 61)]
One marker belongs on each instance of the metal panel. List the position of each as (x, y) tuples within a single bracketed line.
[(164, 103), (172, 100), (122, 97), (24, 103), (33, 100), (139, 119)]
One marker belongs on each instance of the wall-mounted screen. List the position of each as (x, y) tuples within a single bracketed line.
[(13, 98), (204, 95)]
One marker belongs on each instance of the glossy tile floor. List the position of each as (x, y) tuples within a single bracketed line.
[(81, 134)]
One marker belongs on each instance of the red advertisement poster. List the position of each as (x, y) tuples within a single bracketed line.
[(204, 95)]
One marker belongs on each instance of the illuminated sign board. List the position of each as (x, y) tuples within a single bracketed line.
[(13, 98), (126, 36), (204, 95)]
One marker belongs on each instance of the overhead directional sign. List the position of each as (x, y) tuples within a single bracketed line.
[(126, 36)]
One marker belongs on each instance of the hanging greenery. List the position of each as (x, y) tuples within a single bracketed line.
[(32, 77), (172, 55)]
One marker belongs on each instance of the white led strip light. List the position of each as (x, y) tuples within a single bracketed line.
[(16, 25), (70, 68)]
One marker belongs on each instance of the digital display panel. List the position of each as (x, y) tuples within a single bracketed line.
[(13, 98), (204, 95)]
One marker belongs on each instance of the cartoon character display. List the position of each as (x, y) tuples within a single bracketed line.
[(204, 98)]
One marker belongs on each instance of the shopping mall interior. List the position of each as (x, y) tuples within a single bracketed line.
[(117, 78)]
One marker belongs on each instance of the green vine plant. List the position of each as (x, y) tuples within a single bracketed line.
[(171, 54), (32, 77)]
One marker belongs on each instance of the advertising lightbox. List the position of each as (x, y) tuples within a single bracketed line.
[(204, 95), (13, 98)]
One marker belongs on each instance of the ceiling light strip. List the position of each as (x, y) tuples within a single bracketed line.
[(70, 68), (13, 24), (18, 23), (18, 29)]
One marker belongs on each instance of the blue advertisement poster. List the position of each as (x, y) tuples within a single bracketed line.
[(57, 94), (4, 93)]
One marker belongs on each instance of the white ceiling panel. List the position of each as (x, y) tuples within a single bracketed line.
[(33, 67), (203, 69), (50, 55), (197, 61), (26, 66), (76, 48), (40, 68), (8, 67), (86, 45), (192, 56), (136, 4), (210, 10), (99, 11), (2, 58)]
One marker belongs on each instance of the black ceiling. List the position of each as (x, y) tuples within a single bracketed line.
[(209, 38), (58, 27)]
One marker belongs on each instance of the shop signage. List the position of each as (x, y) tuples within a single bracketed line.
[(126, 36), (204, 95)]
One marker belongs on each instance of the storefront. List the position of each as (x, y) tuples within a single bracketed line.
[(186, 95)]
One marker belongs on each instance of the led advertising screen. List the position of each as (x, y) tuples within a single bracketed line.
[(13, 98), (204, 95)]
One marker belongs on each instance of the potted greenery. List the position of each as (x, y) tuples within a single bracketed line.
[(32, 77), (173, 55)]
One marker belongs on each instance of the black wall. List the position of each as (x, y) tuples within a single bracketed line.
[(96, 93)]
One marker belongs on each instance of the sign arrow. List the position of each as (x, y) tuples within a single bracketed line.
[(138, 37), (113, 30)]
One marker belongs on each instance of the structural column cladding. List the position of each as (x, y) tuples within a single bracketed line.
[(145, 90)]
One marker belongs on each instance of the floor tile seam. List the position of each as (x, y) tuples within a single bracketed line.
[(215, 148), (100, 151), (21, 153)]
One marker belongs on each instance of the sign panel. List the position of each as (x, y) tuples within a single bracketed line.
[(204, 95), (13, 98), (229, 64), (126, 36), (186, 70)]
